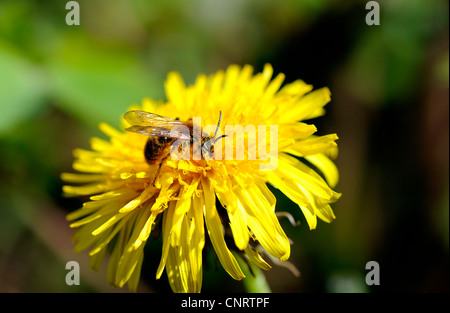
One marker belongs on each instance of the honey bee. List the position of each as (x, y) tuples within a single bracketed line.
[(163, 132)]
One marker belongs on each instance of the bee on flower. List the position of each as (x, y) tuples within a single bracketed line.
[(200, 165)]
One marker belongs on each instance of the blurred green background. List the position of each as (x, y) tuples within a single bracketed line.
[(390, 108)]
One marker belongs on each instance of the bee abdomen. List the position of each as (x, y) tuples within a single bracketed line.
[(155, 147)]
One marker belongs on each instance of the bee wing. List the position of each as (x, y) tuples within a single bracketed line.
[(142, 118), (159, 131)]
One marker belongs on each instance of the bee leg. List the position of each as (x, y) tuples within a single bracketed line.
[(163, 160)]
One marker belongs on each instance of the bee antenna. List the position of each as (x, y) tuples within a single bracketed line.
[(223, 136), (214, 138), (218, 124)]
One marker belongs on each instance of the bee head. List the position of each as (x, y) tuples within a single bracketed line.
[(208, 142)]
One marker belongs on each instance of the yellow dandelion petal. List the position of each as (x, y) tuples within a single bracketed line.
[(141, 199), (116, 255), (215, 232), (304, 176), (82, 178), (96, 259), (239, 228), (184, 260), (148, 105), (261, 219), (107, 224), (133, 281), (166, 228), (326, 167), (295, 131), (182, 207), (121, 193), (297, 88), (292, 190), (197, 242), (174, 272), (89, 189), (98, 144), (311, 105), (256, 258), (109, 130), (175, 90), (133, 248), (273, 87), (102, 244), (312, 145)]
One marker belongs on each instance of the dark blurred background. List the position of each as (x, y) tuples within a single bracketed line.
[(390, 109)]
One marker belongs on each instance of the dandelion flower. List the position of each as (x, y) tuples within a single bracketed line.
[(131, 197)]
